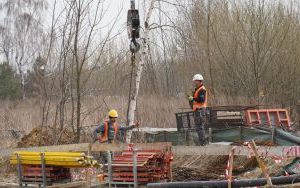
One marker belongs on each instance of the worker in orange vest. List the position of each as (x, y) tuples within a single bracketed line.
[(199, 98), (199, 103), (109, 129)]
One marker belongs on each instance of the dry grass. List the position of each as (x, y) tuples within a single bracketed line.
[(20, 115), (26, 114), (152, 111)]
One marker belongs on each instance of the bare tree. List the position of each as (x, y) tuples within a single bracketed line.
[(24, 35), (78, 50)]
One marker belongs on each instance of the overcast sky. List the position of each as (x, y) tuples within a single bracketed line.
[(112, 7)]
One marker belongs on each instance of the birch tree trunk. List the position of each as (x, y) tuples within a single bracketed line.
[(144, 57)]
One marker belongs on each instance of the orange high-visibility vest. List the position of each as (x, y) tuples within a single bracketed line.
[(197, 105), (104, 136)]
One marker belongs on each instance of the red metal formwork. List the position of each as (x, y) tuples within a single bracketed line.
[(33, 174), (271, 117), (152, 166)]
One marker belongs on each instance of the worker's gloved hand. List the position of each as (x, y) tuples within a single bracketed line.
[(190, 98)]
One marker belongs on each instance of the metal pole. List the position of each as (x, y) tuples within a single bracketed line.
[(165, 136), (132, 4), (230, 168), (187, 138), (43, 169), (210, 138), (224, 183), (88, 173), (19, 169), (274, 135), (241, 133), (109, 169), (135, 178)]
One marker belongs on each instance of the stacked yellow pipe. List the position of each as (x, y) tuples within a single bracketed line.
[(64, 159)]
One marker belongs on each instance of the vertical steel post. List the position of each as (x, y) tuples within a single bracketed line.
[(231, 155), (19, 170), (132, 4), (109, 168), (274, 135), (187, 138), (43, 169), (210, 138), (165, 136), (135, 178), (88, 173), (240, 132)]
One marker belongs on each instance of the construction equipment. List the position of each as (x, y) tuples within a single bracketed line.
[(220, 116), (142, 166), (270, 117), (47, 175), (133, 21), (233, 116), (64, 159), (133, 27), (46, 168)]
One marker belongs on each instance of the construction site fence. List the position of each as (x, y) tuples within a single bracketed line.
[(230, 134)]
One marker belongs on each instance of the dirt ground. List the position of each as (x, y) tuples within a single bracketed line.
[(8, 172)]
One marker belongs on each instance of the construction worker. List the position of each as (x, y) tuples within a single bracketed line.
[(198, 103), (199, 98), (109, 129)]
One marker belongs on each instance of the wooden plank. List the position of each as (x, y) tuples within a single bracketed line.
[(85, 147), (137, 146), (261, 163), (212, 149), (215, 149)]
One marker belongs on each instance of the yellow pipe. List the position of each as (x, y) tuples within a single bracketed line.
[(71, 154), (55, 163), (48, 158), (65, 159)]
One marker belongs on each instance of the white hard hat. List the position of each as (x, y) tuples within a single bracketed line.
[(198, 77)]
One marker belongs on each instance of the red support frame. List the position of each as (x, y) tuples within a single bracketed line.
[(271, 117), (153, 166)]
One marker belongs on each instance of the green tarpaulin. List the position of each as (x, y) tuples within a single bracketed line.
[(232, 134)]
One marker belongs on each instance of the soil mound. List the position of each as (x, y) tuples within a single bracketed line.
[(45, 137)]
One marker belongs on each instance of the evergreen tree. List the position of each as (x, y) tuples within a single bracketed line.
[(10, 85)]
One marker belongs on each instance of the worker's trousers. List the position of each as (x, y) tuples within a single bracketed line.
[(200, 122)]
